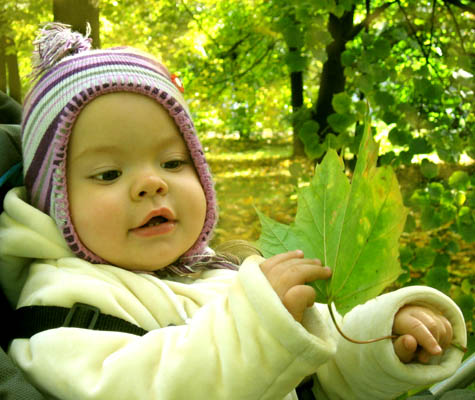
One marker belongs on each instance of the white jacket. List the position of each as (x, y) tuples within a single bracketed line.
[(232, 338)]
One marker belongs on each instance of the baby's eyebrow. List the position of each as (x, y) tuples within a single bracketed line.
[(92, 151)]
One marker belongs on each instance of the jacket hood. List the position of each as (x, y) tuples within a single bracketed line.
[(26, 234)]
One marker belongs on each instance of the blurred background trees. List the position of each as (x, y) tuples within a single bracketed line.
[(307, 66)]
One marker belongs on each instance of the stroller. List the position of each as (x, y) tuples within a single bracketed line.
[(13, 385)]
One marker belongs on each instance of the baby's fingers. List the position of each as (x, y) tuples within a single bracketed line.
[(405, 347), (425, 326), (297, 299), (278, 259)]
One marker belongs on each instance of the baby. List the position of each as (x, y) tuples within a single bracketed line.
[(117, 212)]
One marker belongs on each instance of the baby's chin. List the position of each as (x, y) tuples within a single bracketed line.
[(150, 263)]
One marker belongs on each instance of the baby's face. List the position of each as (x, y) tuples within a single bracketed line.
[(135, 198)]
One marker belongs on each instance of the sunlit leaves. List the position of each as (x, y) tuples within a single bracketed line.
[(459, 180), (446, 203)]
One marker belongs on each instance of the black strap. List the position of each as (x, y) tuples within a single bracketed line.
[(34, 319)]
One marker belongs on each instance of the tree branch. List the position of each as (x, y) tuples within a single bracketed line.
[(459, 4), (234, 46), (434, 2), (457, 28), (369, 19), (198, 23), (254, 64), (421, 45)]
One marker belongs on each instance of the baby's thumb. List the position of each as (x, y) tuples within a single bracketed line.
[(405, 348)]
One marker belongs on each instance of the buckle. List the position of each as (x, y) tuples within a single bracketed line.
[(81, 312)]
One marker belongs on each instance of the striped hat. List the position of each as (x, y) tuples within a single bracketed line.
[(70, 76)]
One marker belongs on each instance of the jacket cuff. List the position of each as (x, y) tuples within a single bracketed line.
[(375, 319)]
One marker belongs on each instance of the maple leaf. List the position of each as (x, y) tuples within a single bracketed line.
[(353, 227)]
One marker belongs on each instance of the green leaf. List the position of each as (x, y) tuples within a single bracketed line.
[(308, 135), (430, 218), (383, 99), (429, 169), (318, 36), (352, 227), (398, 137), (441, 260), (365, 83), (379, 73), (348, 58), (466, 304), (341, 122), (381, 49), (438, 278), (453, 247), (436, 243), (406, 254), (466, 224), (460, 198), (459, 180), (387, 158), (295, 61), (293, 36), (390, 118), (309, 130), (436, 191), (420, 146), (424, 258), (466, 286), (341, 102)]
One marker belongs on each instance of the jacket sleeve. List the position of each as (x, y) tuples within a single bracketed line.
[(363, 371), (242, 345)]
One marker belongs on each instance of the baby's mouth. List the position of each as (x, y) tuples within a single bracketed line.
[(155, 221), (162, 219)]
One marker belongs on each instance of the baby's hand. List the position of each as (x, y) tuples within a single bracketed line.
[(287, 273), (424, 333)]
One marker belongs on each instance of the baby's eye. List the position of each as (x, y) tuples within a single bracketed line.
[(108, 175), (173, 164)]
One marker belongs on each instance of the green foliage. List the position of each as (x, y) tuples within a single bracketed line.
[(353, 228), (443, 211), (445, 203), (234, 58), (308, 134)]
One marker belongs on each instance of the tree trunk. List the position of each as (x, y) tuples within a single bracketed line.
[(77, 13), (296, 87), (14, 83), (332, 80), (3, 66), (9, 75)]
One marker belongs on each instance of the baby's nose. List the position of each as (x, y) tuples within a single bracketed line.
[(147, 186)]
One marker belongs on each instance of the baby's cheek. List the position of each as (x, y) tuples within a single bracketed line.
[(98, 216)]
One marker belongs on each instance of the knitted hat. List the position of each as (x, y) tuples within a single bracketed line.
[(72, 75)]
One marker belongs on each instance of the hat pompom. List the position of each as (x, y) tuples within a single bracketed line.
[(54, 42)]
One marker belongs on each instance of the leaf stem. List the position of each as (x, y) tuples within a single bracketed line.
[(456, 345), (354, 340)]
